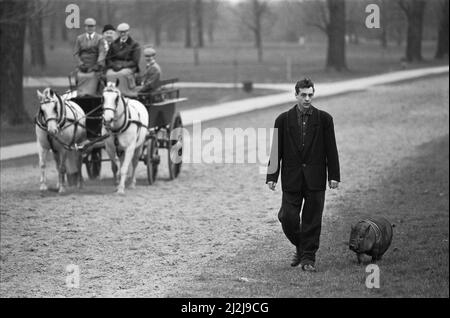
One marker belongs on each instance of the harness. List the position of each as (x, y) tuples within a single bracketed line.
[(126, 124), (376, 229), (61, 122)]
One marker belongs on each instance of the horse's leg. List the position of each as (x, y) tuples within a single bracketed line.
[(79, 168), (134, 162), (127, 157), (56, 156), (42, 163), (111, 151), (62, 171)]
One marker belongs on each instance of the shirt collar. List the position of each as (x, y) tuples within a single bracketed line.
[(90, 36), (304, 111)]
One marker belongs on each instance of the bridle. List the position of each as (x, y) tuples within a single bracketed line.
[(60, 116), (114, 110)]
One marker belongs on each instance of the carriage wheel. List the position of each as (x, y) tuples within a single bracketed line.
[(175, 146), (93, 163), (152, 160)]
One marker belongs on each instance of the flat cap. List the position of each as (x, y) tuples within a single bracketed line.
[(123, 27), (89, 21), (149, 51)]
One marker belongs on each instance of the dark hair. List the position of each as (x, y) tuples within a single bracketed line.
[(304, 83)]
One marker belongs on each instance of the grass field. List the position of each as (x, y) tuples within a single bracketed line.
[(217, 62)]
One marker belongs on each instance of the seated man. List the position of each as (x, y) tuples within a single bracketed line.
[(152, 73), (122, 60), (109, 35), (90, 51)]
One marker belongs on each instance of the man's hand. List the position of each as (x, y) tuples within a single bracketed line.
[(272, 185), (333, 184)]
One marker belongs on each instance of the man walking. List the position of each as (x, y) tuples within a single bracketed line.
[(304, 145)]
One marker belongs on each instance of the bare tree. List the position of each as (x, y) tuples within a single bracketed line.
[(13, 18), (414, 11), (36, 38), (252, 15), (198, 11), (188, 24), (211, 17), (332, 21), (442, 41)]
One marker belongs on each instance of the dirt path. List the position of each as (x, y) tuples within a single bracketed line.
[(199, 235)]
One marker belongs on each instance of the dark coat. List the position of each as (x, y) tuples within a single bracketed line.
[(319, 153), (125, 55)]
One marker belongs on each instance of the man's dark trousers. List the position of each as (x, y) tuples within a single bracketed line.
[(305, 235)]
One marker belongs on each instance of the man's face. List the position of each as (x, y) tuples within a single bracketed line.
[(110, 35), (149, 58), (90, 28), (305, 96), (123, 34)]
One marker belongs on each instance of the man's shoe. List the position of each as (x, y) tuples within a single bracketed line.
[(309, 267), (295, 260)]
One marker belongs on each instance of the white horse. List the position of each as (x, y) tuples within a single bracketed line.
[(126, 121), (59, 125)]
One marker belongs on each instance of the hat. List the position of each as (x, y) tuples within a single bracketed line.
[(123, 27), (89, 21), (149, 51), (107, 28)]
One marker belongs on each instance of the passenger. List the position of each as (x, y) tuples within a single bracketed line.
[(152, 73), (90, 52), (109, 34), (122, 60)]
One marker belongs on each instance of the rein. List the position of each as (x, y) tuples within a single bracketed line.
[(60, 122), (128, 120)]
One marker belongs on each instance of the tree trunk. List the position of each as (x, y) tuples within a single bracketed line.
[(62, 21), (257, 16), (336, 35), (53, 25), (199, 22), (109, 13), (384, 23), (442, 45), (12, 40), (36, 38), (157, 31), (414, 10), (188, 29), (258, 44)]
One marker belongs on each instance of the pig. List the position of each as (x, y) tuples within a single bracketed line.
[(372, 237)]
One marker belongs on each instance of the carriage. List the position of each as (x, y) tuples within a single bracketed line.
[(163, 129)]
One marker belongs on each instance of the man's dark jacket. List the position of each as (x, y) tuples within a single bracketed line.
[(125, 55), (319, 153)]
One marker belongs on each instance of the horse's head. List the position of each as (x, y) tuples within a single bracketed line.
[(49, 104), (111, 98)]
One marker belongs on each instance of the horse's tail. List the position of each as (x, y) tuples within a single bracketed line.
[(72, 166)]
